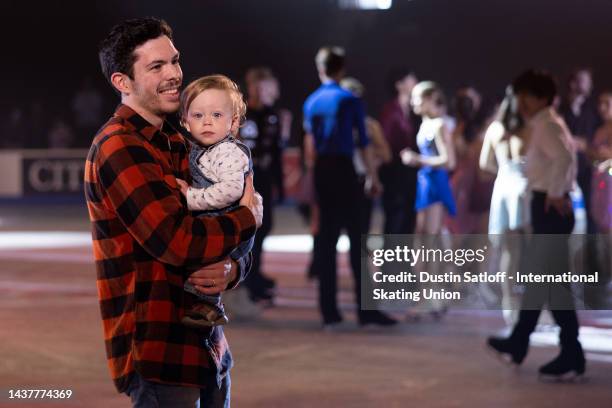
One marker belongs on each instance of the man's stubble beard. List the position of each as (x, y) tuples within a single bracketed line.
[(151, 101)]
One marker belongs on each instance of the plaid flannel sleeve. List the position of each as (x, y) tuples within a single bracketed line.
[(148, 203)]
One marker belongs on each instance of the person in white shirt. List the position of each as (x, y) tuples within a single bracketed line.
[(551, 173)]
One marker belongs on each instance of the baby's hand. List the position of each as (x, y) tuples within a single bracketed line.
[(183, 185)]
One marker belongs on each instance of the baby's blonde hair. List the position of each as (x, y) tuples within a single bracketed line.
[(220, 82)]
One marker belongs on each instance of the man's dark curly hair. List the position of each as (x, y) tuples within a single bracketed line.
[(538, 83), (116, 51)]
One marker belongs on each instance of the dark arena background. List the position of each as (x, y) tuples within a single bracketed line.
[(427, 354)]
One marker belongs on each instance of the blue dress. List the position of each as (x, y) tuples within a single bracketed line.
[(433, 185)]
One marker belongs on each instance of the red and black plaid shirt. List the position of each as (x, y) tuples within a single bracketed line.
[(145, 244)]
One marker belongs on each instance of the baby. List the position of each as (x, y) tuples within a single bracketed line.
[(212, 108)]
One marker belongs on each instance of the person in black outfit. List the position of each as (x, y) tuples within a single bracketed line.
[(579, 109), (551, 169), (331, 115), (261, 132), (400, 126)]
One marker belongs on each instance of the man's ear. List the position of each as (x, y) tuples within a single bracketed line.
[(122, 83)]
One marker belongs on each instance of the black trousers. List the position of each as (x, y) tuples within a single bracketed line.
[(262, 182), (584, 178), (366, 206), (552, 257), (339, 198), (399, 194)]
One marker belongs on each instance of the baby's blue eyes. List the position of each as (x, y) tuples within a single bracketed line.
[(215, 115)]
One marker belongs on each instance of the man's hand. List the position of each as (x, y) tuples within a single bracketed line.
[(563, 205), (581, 144), (605, 165), (252, 200), (373, 187), (183, 185), (214, 278)]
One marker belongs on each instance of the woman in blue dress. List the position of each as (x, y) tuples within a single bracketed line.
[(434, 196), (436, 157)]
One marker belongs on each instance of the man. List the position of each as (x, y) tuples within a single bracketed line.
[(400, 126), (331, 114), (580, 112), (551, 172), (146, 243), (261, 132)]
